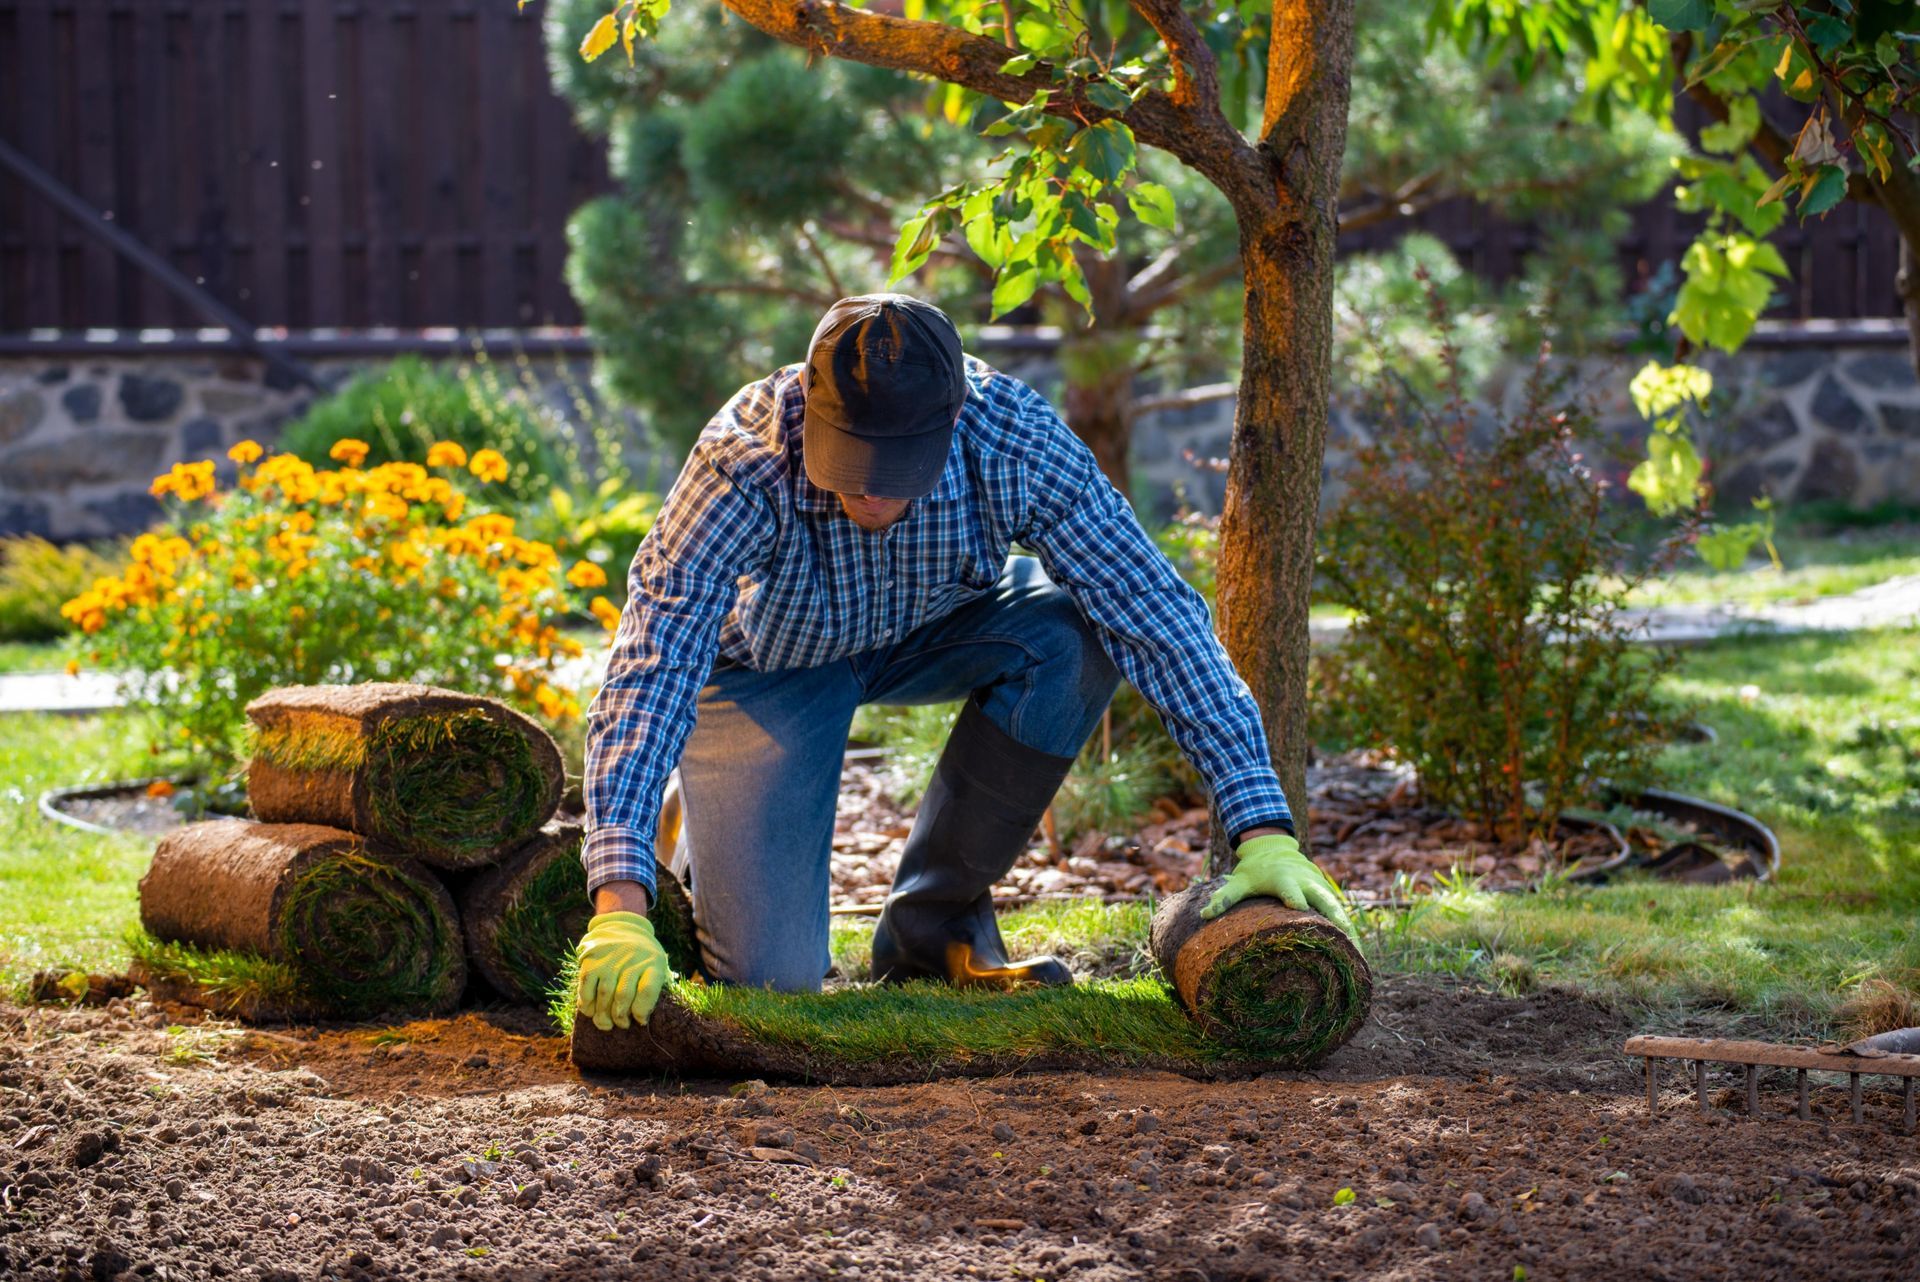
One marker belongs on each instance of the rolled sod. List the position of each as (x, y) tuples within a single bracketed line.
[(523, 916), (1281, 985), (363, 931), (453, 779)]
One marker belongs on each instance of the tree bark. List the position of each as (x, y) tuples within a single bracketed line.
[(1098, 368), (1272, 507)]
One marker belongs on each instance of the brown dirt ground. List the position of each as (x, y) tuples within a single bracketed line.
[(1479, 1135)]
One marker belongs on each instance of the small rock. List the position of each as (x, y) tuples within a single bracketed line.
[(477, 1060), (528, 1196), (1428, 1235), (443, 1235), (766, 1135), (415, 1208), (1145, 1124), (1398, 1191), (90, 1146), (176, 1188), (1002, 1132), (1473, 1207)]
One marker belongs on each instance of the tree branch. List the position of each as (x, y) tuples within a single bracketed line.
[(1186, 399), (1768, 141), (1202, 139), (1172, 291), (1196, 73)]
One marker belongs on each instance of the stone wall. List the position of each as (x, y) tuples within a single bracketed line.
[(1795, 420), (82, 437)]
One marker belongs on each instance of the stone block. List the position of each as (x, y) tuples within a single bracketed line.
[(1881, 370), (150, 399), (89, 459), (20, 412), (1756, 433), (54, 374), (1831, 473), (1900, 420), (1794, 365), (200, 438), (82, 402), (128, 512), (1836, 411), (24, 516), (225, 401)]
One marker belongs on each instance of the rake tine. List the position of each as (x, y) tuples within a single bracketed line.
[(1753, 1056), (1906, 1103), (1753, 1091), (1653, 1087), (1801, 1074), (1859, 1114), (1700, 1084)]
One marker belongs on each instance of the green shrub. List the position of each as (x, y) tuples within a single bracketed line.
[(402, 409), (1489, 648), (37, 578)]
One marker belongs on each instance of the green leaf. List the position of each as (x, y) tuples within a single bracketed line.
[(1072, 279), (1104, 151), (1828, 33), (1019, 65), (1669, 477), (1344, 1197), (1827, 189), (985, 236), (1681, 15), (1108, 96), (1727, 547), (1152, 204), (1014, 288), (1041, 34)]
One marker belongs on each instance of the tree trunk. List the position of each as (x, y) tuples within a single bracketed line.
[(1272, 508), (1098, 368)]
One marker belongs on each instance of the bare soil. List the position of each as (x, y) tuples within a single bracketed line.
[(1478, 1134)]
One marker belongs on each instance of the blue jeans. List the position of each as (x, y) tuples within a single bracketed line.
[(760, 774)]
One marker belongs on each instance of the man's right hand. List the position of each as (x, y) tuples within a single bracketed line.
[(622, 970)]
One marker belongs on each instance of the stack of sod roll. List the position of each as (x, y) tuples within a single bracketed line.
[(403, 837)]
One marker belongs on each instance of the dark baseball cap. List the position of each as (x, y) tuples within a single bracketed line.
[(884, 383)]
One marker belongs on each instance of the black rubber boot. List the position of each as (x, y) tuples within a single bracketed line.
[(987, 794)]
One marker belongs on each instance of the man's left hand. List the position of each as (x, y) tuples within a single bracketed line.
[(1273, 866)]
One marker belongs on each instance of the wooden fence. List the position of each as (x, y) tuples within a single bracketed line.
[(406, 163), (309, 162)]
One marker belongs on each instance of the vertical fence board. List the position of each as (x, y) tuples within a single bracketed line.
[(320, 166), (31, 125), (382, 67), (264, 298)]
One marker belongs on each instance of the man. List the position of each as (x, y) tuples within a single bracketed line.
[(838, 536)]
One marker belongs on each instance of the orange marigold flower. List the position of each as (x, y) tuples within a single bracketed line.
[(73, 667), (488, 465), (446, 454), (160, 788), (245, 452), (585, 574), (607, 612), (349, 451)]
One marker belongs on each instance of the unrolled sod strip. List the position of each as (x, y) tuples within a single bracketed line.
[(525, 914), (456, 780), (365, 932), (1281, 985)]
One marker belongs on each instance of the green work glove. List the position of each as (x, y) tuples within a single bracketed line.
[(622, 970), (1273, 865)]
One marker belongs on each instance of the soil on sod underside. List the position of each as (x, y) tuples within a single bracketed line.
[(1476, 1133)]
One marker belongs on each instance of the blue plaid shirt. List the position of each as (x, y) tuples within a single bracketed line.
[(750, 559)]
